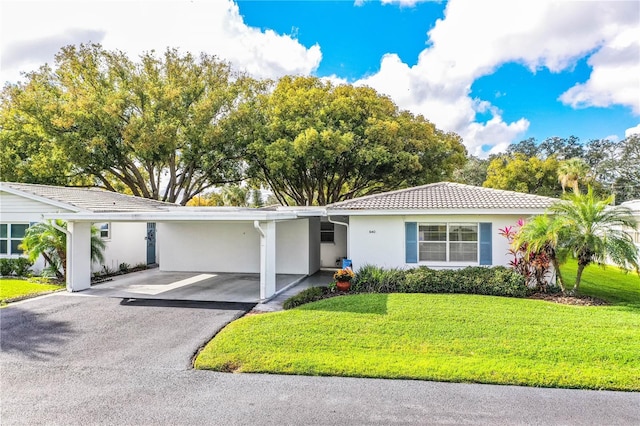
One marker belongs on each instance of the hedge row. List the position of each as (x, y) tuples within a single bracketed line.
[(309, 295), (496, 281)]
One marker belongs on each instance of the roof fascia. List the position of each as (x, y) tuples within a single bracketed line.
[(171, 216)]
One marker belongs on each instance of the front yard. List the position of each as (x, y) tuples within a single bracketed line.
[(461, 338), (17, 288)]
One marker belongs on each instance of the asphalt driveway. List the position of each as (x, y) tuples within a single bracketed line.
[(73, 359)]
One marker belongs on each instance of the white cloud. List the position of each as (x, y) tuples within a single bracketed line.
[(476, 37), (615, 78), (215, 27), (632, 131)]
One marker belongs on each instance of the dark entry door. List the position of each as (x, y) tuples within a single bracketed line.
[(151, 243)]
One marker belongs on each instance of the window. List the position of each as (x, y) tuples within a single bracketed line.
[(11, 235), (452, 242), (105, 230), (327, 232)]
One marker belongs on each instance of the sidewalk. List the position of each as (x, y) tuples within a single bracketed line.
[(320, 278)]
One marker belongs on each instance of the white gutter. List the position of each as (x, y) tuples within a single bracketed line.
[(256, 224), (173, 216)]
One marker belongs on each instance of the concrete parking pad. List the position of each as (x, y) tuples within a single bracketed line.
[(195, 286)]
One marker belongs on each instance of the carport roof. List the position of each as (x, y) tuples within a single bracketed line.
[(80, 199)]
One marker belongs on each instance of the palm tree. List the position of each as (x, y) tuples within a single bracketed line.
[(541, 235), (46, 240), (571, 172), (235, 195), (595, 231)]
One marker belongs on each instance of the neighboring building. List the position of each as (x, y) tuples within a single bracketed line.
[(634, 206), (22, 205)]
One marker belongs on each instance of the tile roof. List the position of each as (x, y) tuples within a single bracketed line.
[(90, 199), (445, 195)]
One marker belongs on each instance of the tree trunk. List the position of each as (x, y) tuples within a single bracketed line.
[(59, 274), (578, 277), (556, 266)]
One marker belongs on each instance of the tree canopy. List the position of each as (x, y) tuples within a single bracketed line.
[(154, 128), (315, 143), (517, 172)]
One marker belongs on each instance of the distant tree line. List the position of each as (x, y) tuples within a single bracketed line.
[(556, 164)]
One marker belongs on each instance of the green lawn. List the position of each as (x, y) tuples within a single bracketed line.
[(608, 283), (14, 288), (460, 338)]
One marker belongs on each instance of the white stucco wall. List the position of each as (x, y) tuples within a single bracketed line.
[(292, 247), (380, 240), (231, 247), (126, 244), (330, 252), (209, 247)]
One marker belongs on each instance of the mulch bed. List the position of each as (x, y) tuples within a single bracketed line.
[(569, 300)]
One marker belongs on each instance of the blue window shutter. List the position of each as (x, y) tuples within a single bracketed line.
[(411, 242), (486, 256)]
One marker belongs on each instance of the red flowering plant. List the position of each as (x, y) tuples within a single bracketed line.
[(534, 267)]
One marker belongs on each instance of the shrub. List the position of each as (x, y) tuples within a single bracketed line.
[(496, 281), (21, 266), (367, 279), (6, 267), (124, 267), (306, 296)]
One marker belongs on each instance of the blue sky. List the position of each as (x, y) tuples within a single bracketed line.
[(494, 71)]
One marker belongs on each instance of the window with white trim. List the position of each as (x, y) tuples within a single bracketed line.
[(448, 242), (327, 232), (11, 235), (105, 230)]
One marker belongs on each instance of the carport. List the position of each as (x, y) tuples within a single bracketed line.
[(214, 241)]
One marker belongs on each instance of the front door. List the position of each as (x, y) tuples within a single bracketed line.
[(151, 243)]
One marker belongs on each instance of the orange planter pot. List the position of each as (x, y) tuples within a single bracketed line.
[(343, 285)]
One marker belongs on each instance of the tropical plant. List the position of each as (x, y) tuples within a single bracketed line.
[(47, 239), (594, 231), (537, 241), (571, 172)]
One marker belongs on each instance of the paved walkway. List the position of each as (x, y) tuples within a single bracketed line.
[(69, 359), (321, 278)]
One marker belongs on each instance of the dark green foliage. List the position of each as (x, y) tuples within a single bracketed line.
[(21, 266), (6, 267), (309, 295), (496, 281)]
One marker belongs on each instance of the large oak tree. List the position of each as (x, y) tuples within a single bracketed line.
[(314, 143), (153, 127)]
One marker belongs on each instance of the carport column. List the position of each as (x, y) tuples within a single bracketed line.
[(78, 256), (267, 259)]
